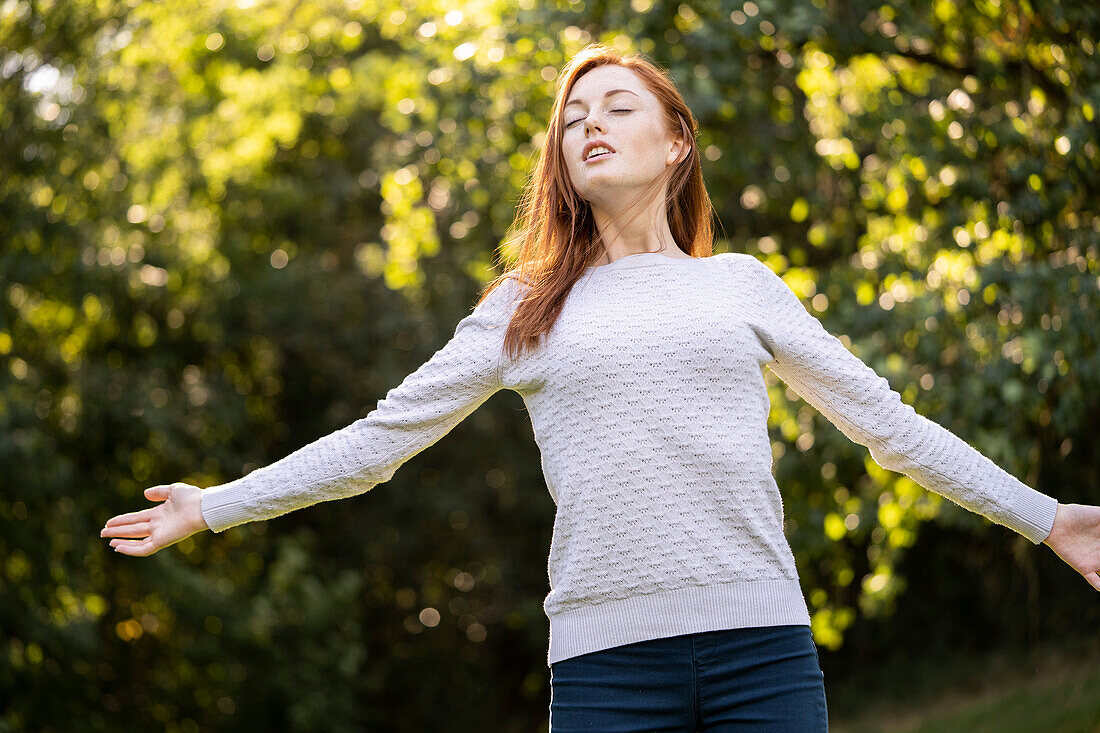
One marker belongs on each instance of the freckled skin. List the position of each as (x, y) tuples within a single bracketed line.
[(642, 146)]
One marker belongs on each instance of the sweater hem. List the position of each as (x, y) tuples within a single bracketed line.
[(741, 604)]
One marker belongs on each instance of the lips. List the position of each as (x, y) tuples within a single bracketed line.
[(595, 144)]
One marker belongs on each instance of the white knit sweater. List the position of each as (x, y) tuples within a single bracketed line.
[(650, 409)]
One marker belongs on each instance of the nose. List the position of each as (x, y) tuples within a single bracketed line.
[(591, 123)]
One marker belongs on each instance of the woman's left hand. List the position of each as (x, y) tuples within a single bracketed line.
[(1076, 539)]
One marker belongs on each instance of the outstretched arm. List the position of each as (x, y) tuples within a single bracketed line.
[(412, 416), (817, 366)]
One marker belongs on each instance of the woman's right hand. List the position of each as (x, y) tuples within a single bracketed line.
[(155, 528)]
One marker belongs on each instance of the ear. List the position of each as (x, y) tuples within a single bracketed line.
[(675, 149)]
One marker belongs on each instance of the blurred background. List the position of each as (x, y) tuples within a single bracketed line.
[(228, 228)]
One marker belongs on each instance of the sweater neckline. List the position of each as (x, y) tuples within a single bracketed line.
[(643, 259)]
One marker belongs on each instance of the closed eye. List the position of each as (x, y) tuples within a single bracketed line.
[(570, 124)]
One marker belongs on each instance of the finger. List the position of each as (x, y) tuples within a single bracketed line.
[(138, 529), (142, 516), (159, 493), (115, 544), (1094, 580), (138, 549)]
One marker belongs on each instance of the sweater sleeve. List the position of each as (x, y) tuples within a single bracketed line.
[(821, 370), (454, 382)]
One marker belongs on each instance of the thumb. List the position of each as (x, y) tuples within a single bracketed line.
[(158, 493)]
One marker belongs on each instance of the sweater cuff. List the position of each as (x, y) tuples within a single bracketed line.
[(224, 506), (1033, 514)]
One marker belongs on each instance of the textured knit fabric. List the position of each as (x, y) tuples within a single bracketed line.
[(650, 410)]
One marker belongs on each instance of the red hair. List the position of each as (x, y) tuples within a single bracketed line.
[(554, 229)]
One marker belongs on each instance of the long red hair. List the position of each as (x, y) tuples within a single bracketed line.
[(554, 233)]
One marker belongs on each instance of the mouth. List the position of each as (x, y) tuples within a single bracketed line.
[(602, 150), (598, 156)]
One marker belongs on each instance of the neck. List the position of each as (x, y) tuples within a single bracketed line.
[(646, 231)]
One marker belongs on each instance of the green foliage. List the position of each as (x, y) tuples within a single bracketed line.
[(228, 228)]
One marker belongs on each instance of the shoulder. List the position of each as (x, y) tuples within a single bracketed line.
[(766, 287), (500, 296), (740, 261), (506, 288), (747, 267)]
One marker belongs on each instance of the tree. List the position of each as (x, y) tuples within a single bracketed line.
[(229, 229)]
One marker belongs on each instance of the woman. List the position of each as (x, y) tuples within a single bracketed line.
[(674, 600)]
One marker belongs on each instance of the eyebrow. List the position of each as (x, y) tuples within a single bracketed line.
[(608, 94)]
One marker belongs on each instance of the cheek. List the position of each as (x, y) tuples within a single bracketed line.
[(569, 152), (571, 166), (641, 152)]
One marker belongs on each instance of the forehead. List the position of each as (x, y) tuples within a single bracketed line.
[(594, 83)]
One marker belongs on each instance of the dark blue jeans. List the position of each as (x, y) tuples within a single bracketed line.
[(764, 679)]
